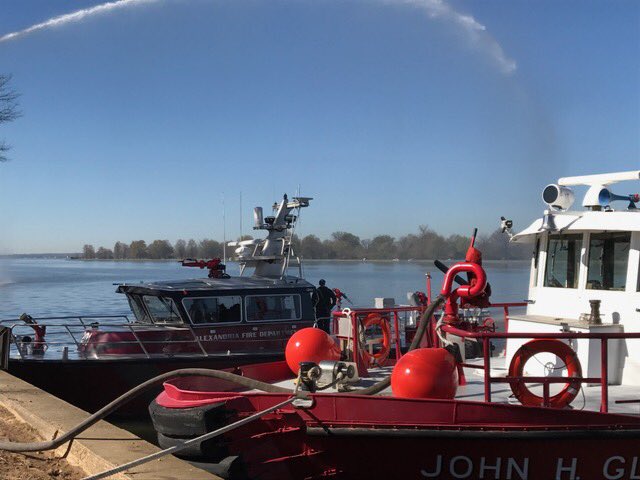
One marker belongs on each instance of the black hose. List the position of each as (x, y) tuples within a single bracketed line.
[(420, 331), (130, 395)]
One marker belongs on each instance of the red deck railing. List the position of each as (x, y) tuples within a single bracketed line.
[(603, 380), (357, 314)]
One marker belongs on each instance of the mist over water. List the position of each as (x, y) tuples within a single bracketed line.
[(55, 287)]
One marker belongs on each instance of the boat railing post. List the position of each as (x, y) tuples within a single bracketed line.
[(135, 335), (604, 374), (5, 346), (18, 345), (545, 394), (396, 326), (354, 337), (486, 352), (506, 318), (73, 337)]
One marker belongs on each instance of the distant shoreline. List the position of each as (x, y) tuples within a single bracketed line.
[(306, 260)]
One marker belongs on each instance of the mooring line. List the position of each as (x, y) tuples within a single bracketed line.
[(188, 443)]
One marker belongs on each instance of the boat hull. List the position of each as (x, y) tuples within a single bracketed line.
[(352, 436)]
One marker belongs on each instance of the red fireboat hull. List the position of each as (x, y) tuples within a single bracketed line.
[(355, 436)]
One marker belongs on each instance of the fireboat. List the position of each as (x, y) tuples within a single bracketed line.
[(554, 394), (215, 322)]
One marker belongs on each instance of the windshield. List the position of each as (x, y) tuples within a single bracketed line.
[(162, 309), (608, 259), (135, 303), (563, 261)]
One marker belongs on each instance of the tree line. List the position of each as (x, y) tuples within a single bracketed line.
[(426, 244)]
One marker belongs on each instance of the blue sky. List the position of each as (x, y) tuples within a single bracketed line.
[(391, 113)]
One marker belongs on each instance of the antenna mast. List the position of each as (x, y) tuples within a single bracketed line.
[(224, 231)]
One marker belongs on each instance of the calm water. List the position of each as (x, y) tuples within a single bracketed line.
[(74, 287)]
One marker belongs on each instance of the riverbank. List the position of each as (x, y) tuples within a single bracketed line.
[(31, 466), (101, 447)]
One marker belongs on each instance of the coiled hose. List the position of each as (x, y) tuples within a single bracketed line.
[(200, 372)]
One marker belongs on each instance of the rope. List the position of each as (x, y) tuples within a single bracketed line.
[(130, 395), (188, 443)]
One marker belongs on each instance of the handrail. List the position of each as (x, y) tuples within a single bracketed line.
[(85, 322), (559, 335), (486, 336), (603, 380)]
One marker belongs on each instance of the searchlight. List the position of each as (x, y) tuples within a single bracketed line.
[(557, 197)]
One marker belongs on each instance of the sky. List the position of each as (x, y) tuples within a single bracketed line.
[(142, 117)]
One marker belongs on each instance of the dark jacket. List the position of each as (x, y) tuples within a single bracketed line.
[(324, 300)]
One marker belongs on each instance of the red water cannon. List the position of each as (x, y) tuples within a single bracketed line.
[(217, 269), (339, 296), (473, 292)]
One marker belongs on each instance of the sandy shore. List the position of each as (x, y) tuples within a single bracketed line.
[(30, 466)]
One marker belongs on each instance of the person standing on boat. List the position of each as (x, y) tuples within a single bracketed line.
[(324, 300)]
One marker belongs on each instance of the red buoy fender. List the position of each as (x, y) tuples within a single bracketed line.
[(425, 373), (310, 345), (380, 357), (561, 350)]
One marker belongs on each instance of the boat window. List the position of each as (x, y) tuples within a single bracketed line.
[(273, 307), (608, 260), (214, 309), (563, 261), (135, 303), (162, 309)]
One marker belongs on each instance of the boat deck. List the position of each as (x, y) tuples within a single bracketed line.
[(588, 399)]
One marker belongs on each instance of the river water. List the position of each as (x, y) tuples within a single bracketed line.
[(57, 287)]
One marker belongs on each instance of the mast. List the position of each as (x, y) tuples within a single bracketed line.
[(270, 256), (224, 231)]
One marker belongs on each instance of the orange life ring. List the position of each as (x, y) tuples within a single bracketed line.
[(380, 357), (561, 350)]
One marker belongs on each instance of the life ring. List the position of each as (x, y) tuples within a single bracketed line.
[(380, 357), (561, 350)]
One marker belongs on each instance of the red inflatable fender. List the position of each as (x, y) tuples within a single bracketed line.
[(310, 345)]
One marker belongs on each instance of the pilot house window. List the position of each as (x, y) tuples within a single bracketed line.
[(273, 307), (214, 309), (563, 261), (608, 260), (162, 309)]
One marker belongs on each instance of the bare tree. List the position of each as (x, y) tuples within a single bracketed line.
[(8, 109), (88, 252)]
